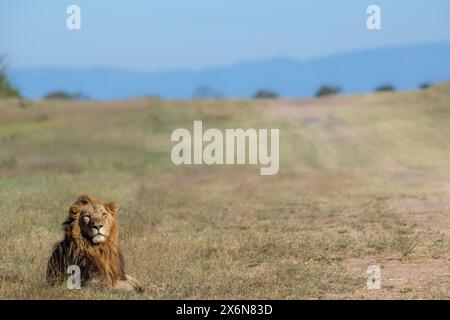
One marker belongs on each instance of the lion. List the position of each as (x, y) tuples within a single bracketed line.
[(91, 235)]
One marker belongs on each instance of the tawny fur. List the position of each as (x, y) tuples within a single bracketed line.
[(101, 264)]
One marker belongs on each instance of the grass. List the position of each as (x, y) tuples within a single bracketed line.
[(363, 180)]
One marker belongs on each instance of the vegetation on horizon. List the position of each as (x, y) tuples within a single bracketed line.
[(385, 88), (328, 90), (425, 85), (266, 94), (7, 90), (63, 95)]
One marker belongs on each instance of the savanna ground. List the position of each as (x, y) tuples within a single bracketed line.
[(363, 180)]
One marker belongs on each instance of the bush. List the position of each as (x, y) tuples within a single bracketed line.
[(385, 88), (327, 90), (425, 85), (6, 88), (62, 95), (266, 94)]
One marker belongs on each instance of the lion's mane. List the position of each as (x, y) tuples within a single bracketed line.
[(101, 262)]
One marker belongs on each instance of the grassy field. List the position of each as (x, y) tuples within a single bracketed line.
[(363, 180)]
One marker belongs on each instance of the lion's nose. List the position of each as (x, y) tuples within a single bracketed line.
[(97, 226)]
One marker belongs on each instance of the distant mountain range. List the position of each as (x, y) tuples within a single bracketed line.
[(404, 67)]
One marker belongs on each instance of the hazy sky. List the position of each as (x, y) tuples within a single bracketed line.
[(170, 34)]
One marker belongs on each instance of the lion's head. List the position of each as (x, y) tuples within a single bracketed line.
[(92, 220)]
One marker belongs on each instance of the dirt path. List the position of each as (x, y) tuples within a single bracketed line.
[(412, 278)]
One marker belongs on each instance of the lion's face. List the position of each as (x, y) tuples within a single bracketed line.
[(96, 220)]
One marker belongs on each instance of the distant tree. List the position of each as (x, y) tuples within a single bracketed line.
[(205, 92), (7, 90), (327, 90), (58, 95), (425, 85), (62, 95), (266, 94), (385, 88)]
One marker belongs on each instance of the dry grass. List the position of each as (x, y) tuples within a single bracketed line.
[(363, 180)]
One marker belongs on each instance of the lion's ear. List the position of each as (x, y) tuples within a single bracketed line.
[(78, 205), (75, 209), (112, 207)]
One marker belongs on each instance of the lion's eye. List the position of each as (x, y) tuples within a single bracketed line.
[(86, 219), (104, 214)]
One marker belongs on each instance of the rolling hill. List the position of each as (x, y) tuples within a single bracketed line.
[(404, 67)]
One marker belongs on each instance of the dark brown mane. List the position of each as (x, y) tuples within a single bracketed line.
[(102, 261)]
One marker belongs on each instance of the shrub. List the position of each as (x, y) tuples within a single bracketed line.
[(327, 90), (385, 88), (62, 95), (6, 88), (425, 85), (265, 94)]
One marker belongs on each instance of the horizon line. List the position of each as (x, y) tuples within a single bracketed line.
[(234, 64)]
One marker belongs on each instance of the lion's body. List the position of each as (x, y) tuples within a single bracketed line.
[(104, 263), (100, 263)]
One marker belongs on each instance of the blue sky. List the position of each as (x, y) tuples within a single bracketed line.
[(195, 34)]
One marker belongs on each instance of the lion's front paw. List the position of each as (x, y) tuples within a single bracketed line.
[(130, 284)]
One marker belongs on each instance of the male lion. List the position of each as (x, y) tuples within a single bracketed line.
[(91, 237)]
